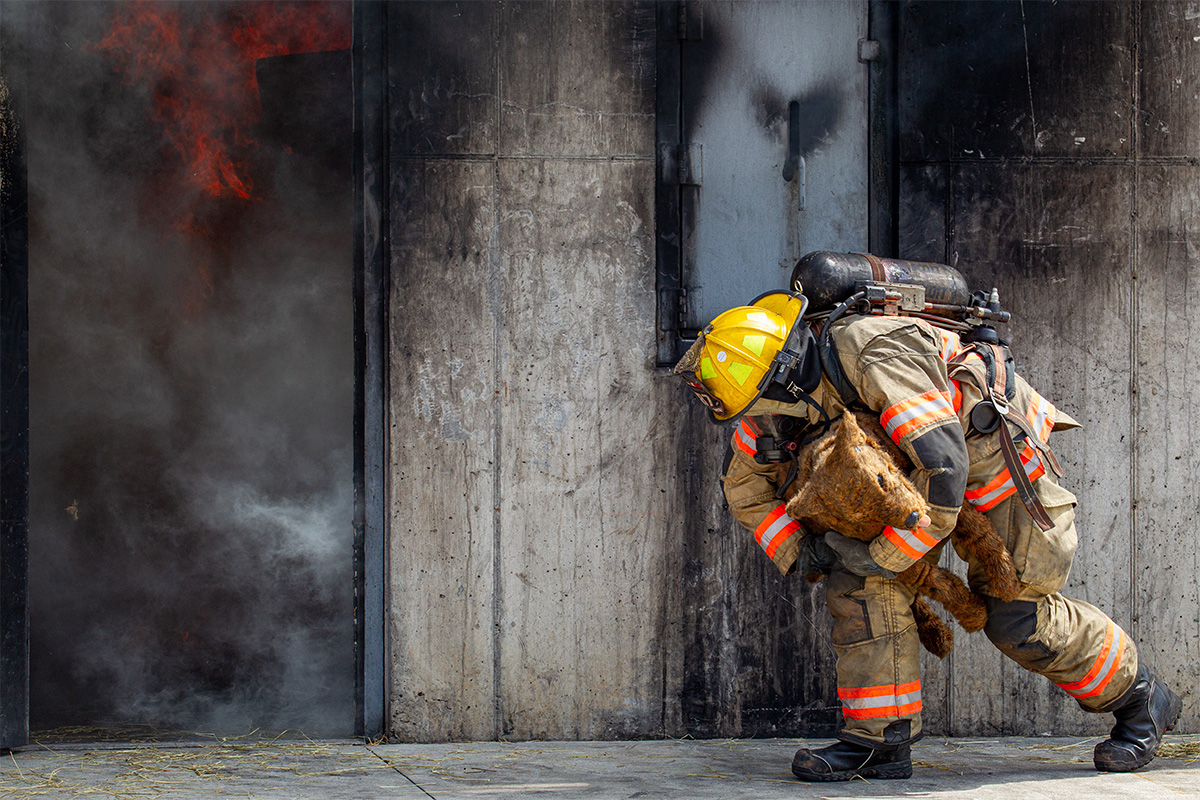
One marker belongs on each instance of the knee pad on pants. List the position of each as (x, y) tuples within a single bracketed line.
[(1012, 627)]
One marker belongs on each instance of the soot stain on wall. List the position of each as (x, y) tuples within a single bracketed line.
[(820, 113)]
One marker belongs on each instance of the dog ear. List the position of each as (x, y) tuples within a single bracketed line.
[(849, 434)]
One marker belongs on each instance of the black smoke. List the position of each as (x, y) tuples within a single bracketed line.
[(191, 401)]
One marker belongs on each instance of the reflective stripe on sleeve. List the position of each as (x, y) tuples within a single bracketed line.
[(913, 544), (1041, 416), (1105, 666), (951, 344), (999, 488), (881, 701), (745, 438), (908, 415), (772, 531), (955, 396)]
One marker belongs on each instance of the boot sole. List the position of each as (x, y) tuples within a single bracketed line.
[(882, 771), (1129, 766)]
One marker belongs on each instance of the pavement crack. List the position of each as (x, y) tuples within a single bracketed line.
[(401, 774)]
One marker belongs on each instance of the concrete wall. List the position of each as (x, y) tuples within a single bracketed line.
[(528, 547), (1050, 150), (561, 564)]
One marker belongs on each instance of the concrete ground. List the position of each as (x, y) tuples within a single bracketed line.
[(946, 769)]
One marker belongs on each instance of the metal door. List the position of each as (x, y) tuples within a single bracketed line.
[(767, 157)]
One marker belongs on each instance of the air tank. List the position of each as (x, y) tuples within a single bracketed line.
[(827, 278)]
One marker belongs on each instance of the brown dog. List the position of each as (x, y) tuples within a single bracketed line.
[(853, 480)]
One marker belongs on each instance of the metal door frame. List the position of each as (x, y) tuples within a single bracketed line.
[(14, 421), (372, 248)]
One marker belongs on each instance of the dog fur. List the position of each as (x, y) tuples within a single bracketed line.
[(853, 479)]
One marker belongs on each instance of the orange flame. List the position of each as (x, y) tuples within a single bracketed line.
[(198, 62)]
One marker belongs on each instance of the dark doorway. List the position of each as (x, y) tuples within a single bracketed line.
[(191, 263)]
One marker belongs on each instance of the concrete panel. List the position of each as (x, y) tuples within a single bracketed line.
[(1169, 79), (583, 529), (577, 78), (443, 410), (922, 211), (998, 80), (442, 77), (1166, 561), (1053, 239)]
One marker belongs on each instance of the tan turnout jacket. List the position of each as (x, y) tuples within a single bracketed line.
[(903, 369)]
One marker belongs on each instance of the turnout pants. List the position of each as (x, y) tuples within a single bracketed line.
[(1072, 643)]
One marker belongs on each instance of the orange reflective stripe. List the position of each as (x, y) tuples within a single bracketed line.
[(913, 544), (1104, 668), (774, 529), (995, 491), (1041, 416), (879, 691), (745, 438), (955, 396), (908, 415), (881, 701), (998, 481), (951, 344)]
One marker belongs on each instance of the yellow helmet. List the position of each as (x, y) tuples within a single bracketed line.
[(735, 358)]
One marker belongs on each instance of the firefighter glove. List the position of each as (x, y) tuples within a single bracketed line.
[(855, 555), (815, 556)]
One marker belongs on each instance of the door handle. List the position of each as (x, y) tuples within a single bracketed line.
[(794, 166)]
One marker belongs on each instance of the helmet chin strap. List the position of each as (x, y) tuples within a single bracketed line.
[(790, 360)]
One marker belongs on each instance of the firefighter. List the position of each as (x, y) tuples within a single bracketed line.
[(762, 367)]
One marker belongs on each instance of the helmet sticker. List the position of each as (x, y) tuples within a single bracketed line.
[(754, 343), (740, 372)]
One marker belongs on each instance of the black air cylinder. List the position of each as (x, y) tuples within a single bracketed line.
[(827, 278)]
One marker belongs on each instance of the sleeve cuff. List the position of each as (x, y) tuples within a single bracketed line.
[(787, 552), (897, 550)]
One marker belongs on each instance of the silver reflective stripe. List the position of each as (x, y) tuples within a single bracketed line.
[(913, 541), (1114, 653), (743, 436), (774, 530), (882, 701), (1031, 462), (924, 407), (1044, 407), (995, 494)]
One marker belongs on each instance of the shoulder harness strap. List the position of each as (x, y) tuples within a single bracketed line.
[(999, 384)]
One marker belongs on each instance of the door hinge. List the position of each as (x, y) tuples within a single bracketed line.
[(673, 303), (690, 25), (681, 164)]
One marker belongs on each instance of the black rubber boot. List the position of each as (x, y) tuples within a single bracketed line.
[(1146, 711), (842, 761)]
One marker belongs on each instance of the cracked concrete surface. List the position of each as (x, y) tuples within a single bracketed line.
[(948, 769)]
